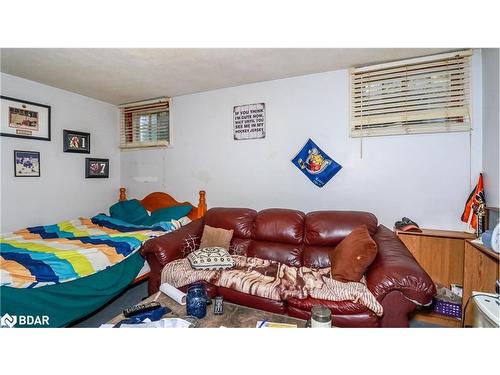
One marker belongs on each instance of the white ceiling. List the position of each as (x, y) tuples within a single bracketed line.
[(125, 75)]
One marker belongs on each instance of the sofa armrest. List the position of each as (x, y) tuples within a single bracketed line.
[(395, 269), (171, 246)]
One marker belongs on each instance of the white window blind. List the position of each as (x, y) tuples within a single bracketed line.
[(145, 124), (422, 95)]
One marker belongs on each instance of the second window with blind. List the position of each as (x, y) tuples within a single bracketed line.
[(423, 95), (145, 124)]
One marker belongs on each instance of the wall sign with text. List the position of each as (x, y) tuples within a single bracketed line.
[(249, 121)]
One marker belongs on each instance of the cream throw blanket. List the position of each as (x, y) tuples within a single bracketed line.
[(273, 280)]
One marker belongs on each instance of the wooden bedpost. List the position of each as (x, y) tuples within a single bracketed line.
[(123, 195), (202, 204)]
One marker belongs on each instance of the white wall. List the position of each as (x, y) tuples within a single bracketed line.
[(491, 126), (62, 192), (424, 177)]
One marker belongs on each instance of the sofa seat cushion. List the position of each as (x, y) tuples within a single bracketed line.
[(316, 256), (337, 307), (256, 302), (242, 299), (272, 280)]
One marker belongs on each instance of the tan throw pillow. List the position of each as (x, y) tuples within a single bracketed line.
[(216, 237), (353, 255)]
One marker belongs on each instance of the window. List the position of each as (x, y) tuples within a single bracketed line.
[(145, 124), (422, 95)]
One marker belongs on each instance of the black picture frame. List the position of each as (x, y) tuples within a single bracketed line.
[(26, 164), (101, 172), (19, 131), (80, 138)]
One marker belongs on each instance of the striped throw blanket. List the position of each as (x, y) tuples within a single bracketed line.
[(50, 254), (273, 280)]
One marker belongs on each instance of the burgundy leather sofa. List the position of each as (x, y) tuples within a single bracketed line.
[(298, 239)]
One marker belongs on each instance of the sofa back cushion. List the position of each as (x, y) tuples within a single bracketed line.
[(328, 228), (280, 225), (289, 254), (324, 230), (278, 235), (288, 236), (240, 220)]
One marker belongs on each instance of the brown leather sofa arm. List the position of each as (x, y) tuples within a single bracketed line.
[(171, 246), (395, 269)]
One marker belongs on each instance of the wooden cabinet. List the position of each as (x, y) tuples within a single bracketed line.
[(480, 273), (441, 254), (451, 257)]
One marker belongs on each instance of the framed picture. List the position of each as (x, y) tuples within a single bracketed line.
[(26, 163), (74, 141), (249, 121), (23, 119), (96, 168)]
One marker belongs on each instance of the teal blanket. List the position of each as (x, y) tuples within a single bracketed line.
[(60, 304)]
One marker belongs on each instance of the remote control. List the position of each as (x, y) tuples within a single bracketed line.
[(137, 309), (219, 306)]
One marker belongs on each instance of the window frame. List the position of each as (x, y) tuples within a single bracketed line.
[(405, 129), (164, 105)]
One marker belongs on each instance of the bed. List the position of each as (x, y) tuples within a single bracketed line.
[(68, 270)]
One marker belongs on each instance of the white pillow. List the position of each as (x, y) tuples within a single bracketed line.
[(184, 220), (181, 222), (211, 258)]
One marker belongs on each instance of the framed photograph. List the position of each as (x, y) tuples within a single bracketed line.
[(26, 163), (23, 119), (96, 168), (74, 141)]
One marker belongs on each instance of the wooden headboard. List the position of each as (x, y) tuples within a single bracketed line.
[(159, 199)]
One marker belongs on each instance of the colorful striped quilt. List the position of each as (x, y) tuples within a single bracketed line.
[(69, 250)]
